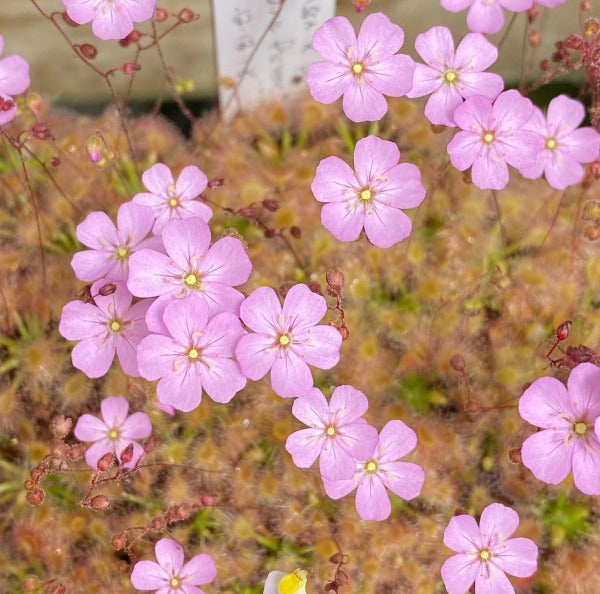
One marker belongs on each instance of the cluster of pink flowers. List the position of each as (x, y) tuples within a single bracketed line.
[(352, 455)]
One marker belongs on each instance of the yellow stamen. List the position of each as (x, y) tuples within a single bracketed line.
[(190, 280), (365, 195), (115, 326), (551, 143), (113, 434), (122, 252), (371, 466), (173, 202), (485, 555), (193, 353), (450, 76), (357, 68), (580, 428), (174, 583), (292, 583), (330, 431), (284, 340), (488, 137)]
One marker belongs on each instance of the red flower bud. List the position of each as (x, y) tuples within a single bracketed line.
[(118, 541), (160, 15), (535, 39), (216, 182), (514, 455), (562, 332), (207, 500), (105, 462), (271, 205), (107, 289), (61, 426), (41, 131), (335, 279), (532, 13), (127, 454), (36, 496), (87, 50), (296, 232), (344, 332), (55, 161), (187, 16), (130, 67)]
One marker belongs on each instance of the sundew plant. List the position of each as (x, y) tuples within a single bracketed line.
[(347, 342)]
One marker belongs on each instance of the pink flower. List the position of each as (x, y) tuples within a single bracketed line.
[(567, 417), (14, 79), (493, 135), (486, 16), (170, 575), (565, 146), (371, 196), (112, 325), (486, 553), (363, 70), (286, 340), (169, 199), (550, 3), (195, 356), (337, 433), (114, 433), (112, 246), (191, 266), (380, 470), (112, 19), (451, 76)]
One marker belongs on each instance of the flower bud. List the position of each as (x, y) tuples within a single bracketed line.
[(77, 451), (514, 455), (335, 279), (562, 332), (68, 20), (105, 462), (160, 15), (87, 50), (207, 500), (360, 5), (118, 541), (592, 232), (130, 67), (187, 16), (134, 36), (296, 232), (151, 444), (270, 233), (61, 426), (29, 484), (585, 6), (591, 27), (158, 524), (107, 289), (6, 104), (127, 454), (270, 205), (344, 332), (41, 131), (535, 39), (55, 161), (95, 149), (34, 102), (532, 13), (247, 211), (315, 287), (216, 182), (337, 558), (457, 363), (36, 496), (100, 503)]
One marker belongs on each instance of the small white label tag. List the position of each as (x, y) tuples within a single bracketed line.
[(278, 67)]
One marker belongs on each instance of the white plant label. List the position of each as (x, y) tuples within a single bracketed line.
[(278, 67)]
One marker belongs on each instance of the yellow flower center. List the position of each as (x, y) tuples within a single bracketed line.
[(173, 202), (115, 326), (365, 195), (175, 582), (580, 428), (122, 252), (488, 137), (191, 280), (292, 583), (357, 68), (551, 143), (450, 76), (284, 340), (371, 466), (113, 434), (330, 431), (485, 555), (193, 353)]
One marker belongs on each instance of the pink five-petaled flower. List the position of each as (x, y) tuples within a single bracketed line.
[(112, 19), (493, 135), (169, 199), (363, 70), (566, 416), (565, 146), (14, 79), (379, 470), (170, 575), (196, 355), (191, 266), (114, 433), (111, 246), (486, 16), (371, 196), (486, 553), (286, 340), (112, 325), (337, 433), (452, 76)]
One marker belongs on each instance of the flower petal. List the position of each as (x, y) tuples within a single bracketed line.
[(584, 390), (374, 156), (334, 181), (312, 409), (327, 82), (226, 262), (403, 478), (344, 220), (492, 580), (114, 410), (158, 179), (485, 17), (191, 182), (93, 356), (97, 450), (181, 389), (474, 54), (261, 311), (462, 534), (148, 575), (378, 38), (547, 454), (223, 380), (290, 375), (459, 573), (392, 76), (347, 404), (386, 226), (305, 445), (186, 240), (136, 426), (517, 556), (256, 355), (586, 464), (372, 500), (184, 318), (545, 403), (333, 39), (97, 231), (497, 523), (395, 441), (89, 428), (436, 47), (303, 309), (363, 103), (199, 570), (170, 555)]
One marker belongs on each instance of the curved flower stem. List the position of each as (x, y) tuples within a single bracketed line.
[(500, 224)]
